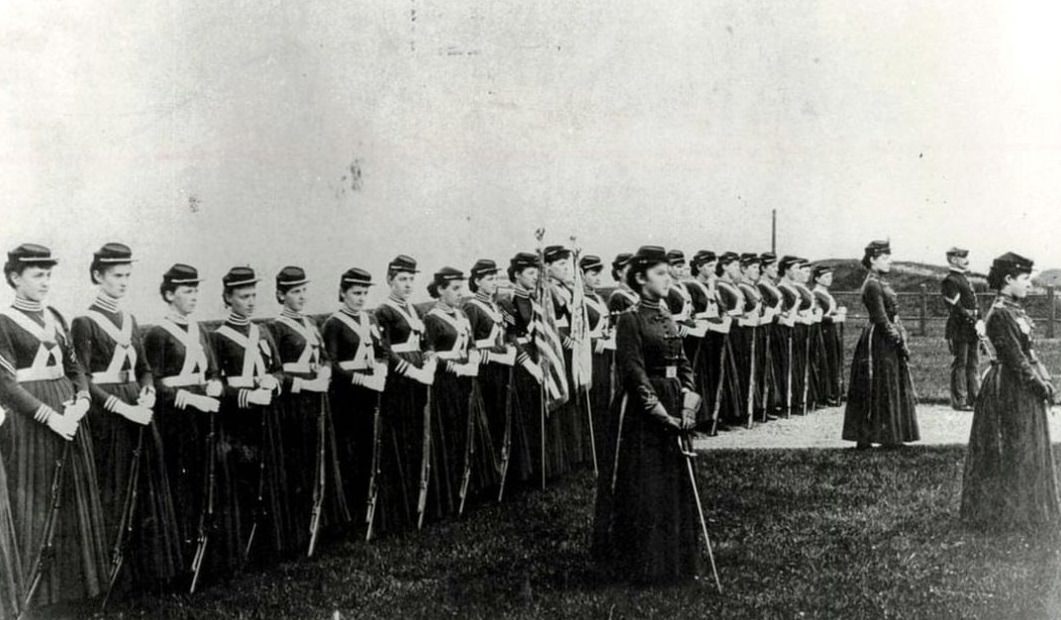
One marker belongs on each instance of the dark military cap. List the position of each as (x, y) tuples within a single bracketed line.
[(727, 257), (32, 254), (482, 267), (876, 248), (767, 258), (355, 275), (448, 274), (291, 277), (820, 270), (555, 253), (702, 258), (675, 257), (621, 260), (956, 251), (181, 274), (590, 262), (402, 263), (522, 260), (239, 276), (786, 262), (1012, 263), (749, 258), (113, 254), (649, 255)]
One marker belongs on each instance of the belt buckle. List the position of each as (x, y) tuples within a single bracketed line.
[(670, 372)]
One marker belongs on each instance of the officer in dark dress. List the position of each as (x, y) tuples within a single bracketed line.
[(965, 327)]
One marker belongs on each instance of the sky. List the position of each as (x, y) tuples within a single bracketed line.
[(335, 134)]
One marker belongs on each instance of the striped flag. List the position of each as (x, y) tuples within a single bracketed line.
[(582, 353), (550, 347)]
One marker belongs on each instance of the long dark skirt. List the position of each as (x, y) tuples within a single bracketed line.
[(254, 448), (767, 372), (784, 374), (600, 397), (881, 407), (831, 362), (494, 385), (449, 403), (9, 555), (403, 405), (570, 435), (354, 417), (310, 465), (817, 363), (800, 369), (31, 451), (200, 483), (1009, 478), (650, 532), (722, 400), (526, 432), (746, 346), (152, 543)]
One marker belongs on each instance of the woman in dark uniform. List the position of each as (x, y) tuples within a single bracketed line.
[(565, 438), (771, 372), (187, 388), (707, 352), (47, 440), (497, 353), (831, 359), (410, 375), (622, 297), (461, 433), (9, 557), (730, 396), (788, 346), (881, 406), (1009, 468), (602, 340), (128, 447), (250, 366), (653, 529), (365, 439), (525, 459), (305, 416), (750, 339)]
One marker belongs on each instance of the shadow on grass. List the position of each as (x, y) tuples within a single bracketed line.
[(797, 533)]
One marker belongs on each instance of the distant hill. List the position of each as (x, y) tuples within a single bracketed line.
[(848, 275)]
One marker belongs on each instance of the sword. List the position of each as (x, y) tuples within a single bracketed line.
[(689, 454)]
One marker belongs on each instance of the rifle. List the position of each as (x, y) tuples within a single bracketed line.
[(768, 370), (721, 381), (788, 373), (425, 463), (259, 507), (506, 441), (751, 382), (47, 550), (469, 445), (318, 476), (618, 441), (592, 438), (206, 514), (806, 370), (125, 524), (373, 480), (689, 455)]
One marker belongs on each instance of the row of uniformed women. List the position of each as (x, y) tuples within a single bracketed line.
[(764, 335), (177, 454)]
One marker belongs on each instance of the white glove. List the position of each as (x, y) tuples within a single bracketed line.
[(376, 383), (318, 384), (147, 398), (133, 413), (205, 404), (475, 357), (325, 372), (213, 388), (534, 370), (268, 382), (423, 375), (598, 346), (261, 396), (981, 329), (61, 425), (3, 416), (76, 410)]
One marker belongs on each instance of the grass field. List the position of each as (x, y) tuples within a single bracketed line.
[(815, 534)]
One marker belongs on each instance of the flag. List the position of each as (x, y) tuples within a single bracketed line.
[(582, 353), (549, 345)]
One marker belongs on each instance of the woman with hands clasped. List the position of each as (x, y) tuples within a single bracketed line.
[(652, 530), (1009, 468)]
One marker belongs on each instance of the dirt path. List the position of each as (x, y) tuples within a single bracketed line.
[(821, 429)]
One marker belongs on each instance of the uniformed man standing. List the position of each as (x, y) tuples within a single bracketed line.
[(964, 329)]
